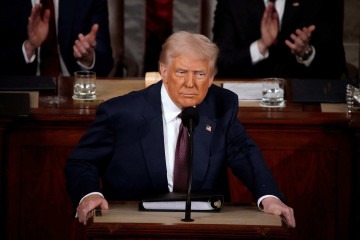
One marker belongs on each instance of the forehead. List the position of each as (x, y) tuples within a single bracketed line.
[(190, 62)]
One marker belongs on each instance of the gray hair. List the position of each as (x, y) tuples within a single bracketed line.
[(183, 41)]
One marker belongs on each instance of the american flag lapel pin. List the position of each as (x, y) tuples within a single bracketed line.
[(208, 128)]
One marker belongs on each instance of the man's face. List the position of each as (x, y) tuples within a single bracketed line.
[(187, 80)]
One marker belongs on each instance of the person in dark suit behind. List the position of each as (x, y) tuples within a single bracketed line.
[(131, 144), (290, 39), (83, 36)]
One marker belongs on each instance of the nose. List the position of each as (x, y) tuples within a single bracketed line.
[(189, 80)]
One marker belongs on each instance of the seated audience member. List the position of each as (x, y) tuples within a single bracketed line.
[(29, 37), (128, 153), (288, 38)]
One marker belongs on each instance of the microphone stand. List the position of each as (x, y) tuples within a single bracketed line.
[(188, 198)]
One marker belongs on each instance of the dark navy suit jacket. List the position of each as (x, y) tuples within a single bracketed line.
[(237, 25), (125, 148), (75, 16)]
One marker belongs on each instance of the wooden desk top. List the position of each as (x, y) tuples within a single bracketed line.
[(73, 110), (124, 219)]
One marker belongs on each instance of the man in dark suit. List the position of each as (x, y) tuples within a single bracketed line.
[(82, 35), (288, 38), (131, 144)]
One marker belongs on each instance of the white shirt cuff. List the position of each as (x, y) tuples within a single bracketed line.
[(92, 193), (260, 206), (85, 67), (27, 60), (255, 54)]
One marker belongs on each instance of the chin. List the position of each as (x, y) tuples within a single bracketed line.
[(188, 104)]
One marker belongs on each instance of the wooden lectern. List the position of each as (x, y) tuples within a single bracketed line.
[(124, 220)]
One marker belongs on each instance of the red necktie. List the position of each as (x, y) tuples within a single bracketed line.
[(49, 55), (181, 166)]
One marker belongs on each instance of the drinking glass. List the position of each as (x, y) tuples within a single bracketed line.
[(272, 92), (84, 85)]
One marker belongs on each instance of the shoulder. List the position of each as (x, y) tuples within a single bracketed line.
[(132, 101), (221, 96), (221, 92)]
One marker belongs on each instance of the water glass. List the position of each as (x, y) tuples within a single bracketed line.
[(85, 85), (273, 92)]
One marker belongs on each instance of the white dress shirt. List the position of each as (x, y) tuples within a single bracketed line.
[(171, 125)]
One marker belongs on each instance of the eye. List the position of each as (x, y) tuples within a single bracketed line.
[(200, 75), (180, 72)]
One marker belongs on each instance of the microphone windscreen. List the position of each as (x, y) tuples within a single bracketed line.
[(190, 113)]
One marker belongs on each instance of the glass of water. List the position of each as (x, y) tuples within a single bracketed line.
[(273, 92), (84, 85)]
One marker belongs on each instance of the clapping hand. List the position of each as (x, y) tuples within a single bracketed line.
[(38, 28), (84, 46)]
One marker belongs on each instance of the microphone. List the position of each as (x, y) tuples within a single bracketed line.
[(190, 119)]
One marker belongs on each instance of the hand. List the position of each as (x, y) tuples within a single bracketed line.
[(300, 40), (89, 203), (38, 28), (84, 46), (275, 206), (269, 28)]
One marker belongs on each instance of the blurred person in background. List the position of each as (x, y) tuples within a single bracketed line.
[(81, 36), (279, 38)]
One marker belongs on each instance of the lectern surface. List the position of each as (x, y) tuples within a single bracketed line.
[(229, 215), (124, 220)]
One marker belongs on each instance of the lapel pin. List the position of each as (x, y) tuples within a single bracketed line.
[(296, 4)]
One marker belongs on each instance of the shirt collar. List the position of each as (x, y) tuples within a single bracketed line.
[(169, 110)]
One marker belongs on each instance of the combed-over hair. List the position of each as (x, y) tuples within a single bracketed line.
[(183, 41)]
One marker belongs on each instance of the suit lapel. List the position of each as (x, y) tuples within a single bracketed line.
[(153, 139), (259, 5), (290, 12), (202, 142), (67, 11)]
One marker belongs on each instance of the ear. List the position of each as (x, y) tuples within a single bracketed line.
[(163, 72)]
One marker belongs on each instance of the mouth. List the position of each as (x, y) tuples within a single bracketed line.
[(189, 95)]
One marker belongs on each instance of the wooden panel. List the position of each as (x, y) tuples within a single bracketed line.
[(355, 187), (38, 205), (3, 220), (312, 168)]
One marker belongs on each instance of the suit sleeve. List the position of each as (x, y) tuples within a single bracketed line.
[(84, 167), (246, 161), (13, 26), (329, 61)]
